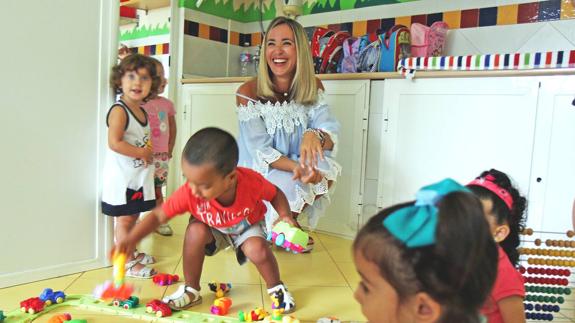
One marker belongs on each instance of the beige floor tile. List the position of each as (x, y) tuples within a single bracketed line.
[(11, 297), (312, 274), (313, 303), (160, 246), (338, 248), (244, 298), (224, 267), (350, 273)]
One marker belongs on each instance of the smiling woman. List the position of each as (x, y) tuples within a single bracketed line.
[(287, 132)]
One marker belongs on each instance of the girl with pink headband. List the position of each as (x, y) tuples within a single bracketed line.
[(504, 210)]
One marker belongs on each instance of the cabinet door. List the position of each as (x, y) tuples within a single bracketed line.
[(553, 178), (438, 128), (349, 102), (205, 105)]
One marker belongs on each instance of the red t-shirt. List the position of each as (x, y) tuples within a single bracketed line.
[(509, 282), (251, 190)]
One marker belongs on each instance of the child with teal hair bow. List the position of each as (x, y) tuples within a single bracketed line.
[(432, 260)]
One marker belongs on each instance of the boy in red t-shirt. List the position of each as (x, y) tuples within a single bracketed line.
[(226, 203)]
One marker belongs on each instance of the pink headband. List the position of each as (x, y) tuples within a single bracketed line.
[(487, 183)]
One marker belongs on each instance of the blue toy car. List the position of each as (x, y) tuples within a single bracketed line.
[(49, 297)]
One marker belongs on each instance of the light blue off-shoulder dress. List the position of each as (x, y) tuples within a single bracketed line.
[(270, 130)]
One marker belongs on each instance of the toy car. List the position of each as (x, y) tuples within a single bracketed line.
[(161, 309), (288, 237), (220, 288), (50, 297), (221, 306), (131, 302), (32, 305), (165, 279)]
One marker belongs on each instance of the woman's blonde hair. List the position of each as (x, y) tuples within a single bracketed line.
[(303, 88)]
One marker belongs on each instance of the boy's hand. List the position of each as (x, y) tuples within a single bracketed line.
[(122, 246), (289, 219)]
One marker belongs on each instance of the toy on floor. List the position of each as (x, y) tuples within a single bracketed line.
[(288, 237), (165, 279), (221, 306), (50, 297), (2, 317), (119, 289), (160, 308), (219, 288), (330, 319), (276, 316), (32, 305), (129, 303), (254, 315), (59, 318)]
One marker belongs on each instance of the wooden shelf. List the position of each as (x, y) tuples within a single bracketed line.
[(146, 4)]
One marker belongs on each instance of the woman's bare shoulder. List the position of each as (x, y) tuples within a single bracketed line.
[(247, 90)]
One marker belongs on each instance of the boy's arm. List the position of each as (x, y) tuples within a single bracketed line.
[(281, 205), (512, 309), (173, 131), (116, 124), (140, 230)]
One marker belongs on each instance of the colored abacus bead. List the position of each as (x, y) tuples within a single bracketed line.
[(538, 242), (570, 233)]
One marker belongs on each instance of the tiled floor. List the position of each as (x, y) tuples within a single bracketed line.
[(322, 282)]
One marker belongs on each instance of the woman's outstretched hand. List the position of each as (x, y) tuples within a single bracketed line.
[(308, 175)]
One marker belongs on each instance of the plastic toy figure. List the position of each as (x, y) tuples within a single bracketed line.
[(288, 237), (50, 297), (252, 316), (221, 306), (161, 309), (32, 305), (165, 279), (119, 289), (60, 318), (131, 302), (220, 288)]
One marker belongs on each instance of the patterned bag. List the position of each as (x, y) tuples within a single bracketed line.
[(395, 45), (327, 49), (352, 47), (428, 41)]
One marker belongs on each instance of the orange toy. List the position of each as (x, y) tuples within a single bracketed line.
[(60, 318), (119, 289)]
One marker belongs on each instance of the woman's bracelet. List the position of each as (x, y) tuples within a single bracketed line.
[(318, 133)]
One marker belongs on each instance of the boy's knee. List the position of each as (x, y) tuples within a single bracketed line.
[(199, 232), (256, 250)]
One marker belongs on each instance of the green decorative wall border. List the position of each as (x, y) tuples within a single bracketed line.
[(145, 31), (251, 13)]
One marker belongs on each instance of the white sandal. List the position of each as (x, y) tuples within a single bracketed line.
[(146, 259), (144, 272), (182, 298)]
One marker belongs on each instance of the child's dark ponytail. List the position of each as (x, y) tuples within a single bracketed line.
[(515, 217)]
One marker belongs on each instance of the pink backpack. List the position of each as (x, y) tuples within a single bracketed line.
[(428, 41)]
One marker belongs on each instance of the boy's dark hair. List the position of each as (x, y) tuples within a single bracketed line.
[(135, 62), (458, 271), (215, 146), (515, 217)]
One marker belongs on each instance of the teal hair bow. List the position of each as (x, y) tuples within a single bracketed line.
[(415, 225)]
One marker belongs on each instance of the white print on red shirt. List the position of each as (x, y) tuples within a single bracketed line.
[(223, 219)]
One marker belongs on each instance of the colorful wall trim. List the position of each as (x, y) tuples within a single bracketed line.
[(249, 10), (145, 31), (151, 50), (502, 15)]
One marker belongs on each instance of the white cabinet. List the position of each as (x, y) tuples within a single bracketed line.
[(552, 188), (437, 128), (206, 105)]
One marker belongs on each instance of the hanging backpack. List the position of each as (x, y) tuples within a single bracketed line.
[(428, 41), (395, 45), (368, 59), (327, 49), (352, 47)]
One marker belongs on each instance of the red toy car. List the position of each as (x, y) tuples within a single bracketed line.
[(156, 306), (32, 305), (165, 279)]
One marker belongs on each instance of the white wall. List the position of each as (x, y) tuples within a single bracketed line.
[(54, 96)]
